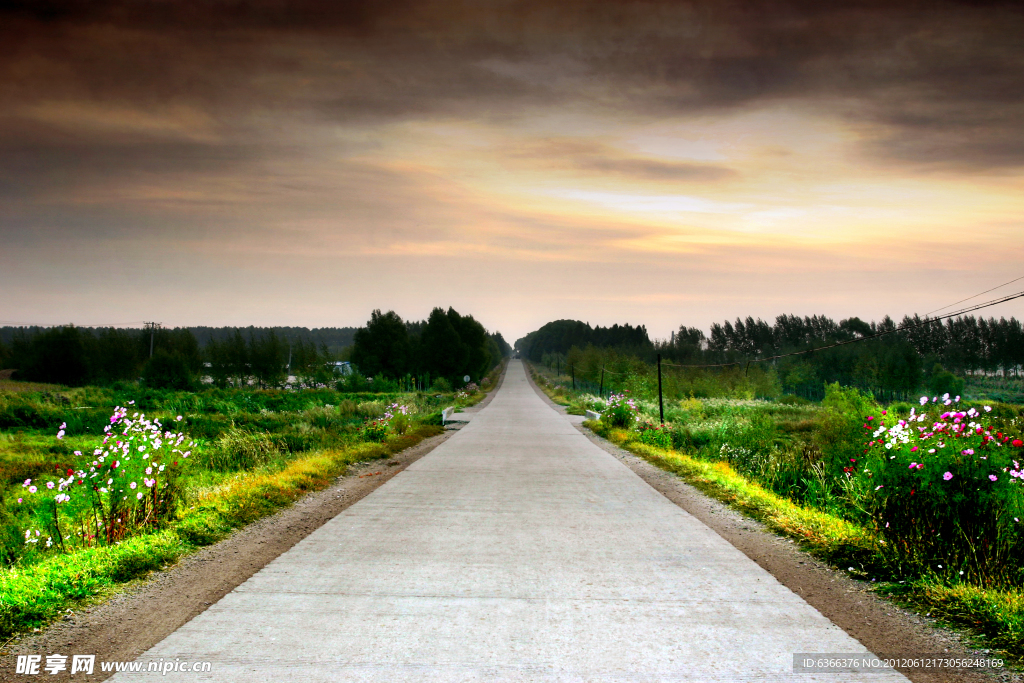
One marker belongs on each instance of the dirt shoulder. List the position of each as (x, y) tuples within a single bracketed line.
[(881, 626), (146, 612)]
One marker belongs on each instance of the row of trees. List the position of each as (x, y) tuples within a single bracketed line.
[(76, 356), (891, 360), (894, 360), (964, 344), (446, 345), (559, 336)]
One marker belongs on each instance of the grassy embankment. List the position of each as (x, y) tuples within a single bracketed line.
[(754, 474), (260, 451)]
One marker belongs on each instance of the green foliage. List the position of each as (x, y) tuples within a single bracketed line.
[(262, 449), (167, 371), (620, 411), (945, 382), (560, 336), (840, 434), (447, 345), (240, 449), (382, 347), (946, 498)]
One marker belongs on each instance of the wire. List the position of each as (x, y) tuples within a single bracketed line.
[(976, 295)]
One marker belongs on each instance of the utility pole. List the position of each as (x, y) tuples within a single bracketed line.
[(152, 334), (661, 404), (600, 389)]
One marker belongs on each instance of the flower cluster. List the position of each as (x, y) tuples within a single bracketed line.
[(621, 411), (120, 484), (942, 472), (377, 430), (960, 431)]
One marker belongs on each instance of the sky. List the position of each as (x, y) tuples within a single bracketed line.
[(657, 163)]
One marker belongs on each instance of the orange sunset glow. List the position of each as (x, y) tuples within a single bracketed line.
[(657, 163)]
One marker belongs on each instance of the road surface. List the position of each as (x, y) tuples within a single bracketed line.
[(515, 551)]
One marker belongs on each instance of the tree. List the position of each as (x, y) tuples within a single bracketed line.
[(442, 352), (56, 355), (267, 358), (382, 347), (167, 370)]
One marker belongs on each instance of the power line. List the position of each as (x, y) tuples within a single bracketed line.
[(976, 295)]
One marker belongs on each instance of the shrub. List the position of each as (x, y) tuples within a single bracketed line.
[(840, 436), (945, 382), (620, 411), (240, 449), (128, 483), (945, 491), (656, 435)]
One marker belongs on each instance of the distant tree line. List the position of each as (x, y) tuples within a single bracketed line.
[(76, 356), (445, 347), (558, 337), (168, 358), (893, 360), (334, 339)]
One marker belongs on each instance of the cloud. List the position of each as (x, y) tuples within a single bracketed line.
[(910, 68), (591, 157)]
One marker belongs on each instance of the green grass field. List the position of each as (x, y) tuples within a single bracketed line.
[(256, 452), (788, 464)]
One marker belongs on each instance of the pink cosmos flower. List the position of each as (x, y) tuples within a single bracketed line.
[(32, 489), (993, 477), (947, 476)]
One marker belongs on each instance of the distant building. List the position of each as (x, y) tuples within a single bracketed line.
[(341, 367)]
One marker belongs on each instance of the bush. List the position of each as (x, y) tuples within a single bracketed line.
[(840, 435), (620, 411), (658, 436), (239, 449), (946, 492), (945, 382)]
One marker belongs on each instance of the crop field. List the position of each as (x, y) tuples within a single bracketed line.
[(924, 500), (102, 485)]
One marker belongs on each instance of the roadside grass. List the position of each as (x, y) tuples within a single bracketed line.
[(33, 595), (993, 618)]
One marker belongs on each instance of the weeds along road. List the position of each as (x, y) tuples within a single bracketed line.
[(515, 551)]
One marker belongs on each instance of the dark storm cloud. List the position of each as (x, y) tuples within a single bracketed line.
[(943, 82)]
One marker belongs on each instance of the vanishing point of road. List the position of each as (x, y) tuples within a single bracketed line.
[(515, 551)]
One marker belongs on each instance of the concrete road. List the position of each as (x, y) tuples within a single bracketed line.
[(515, 551)]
